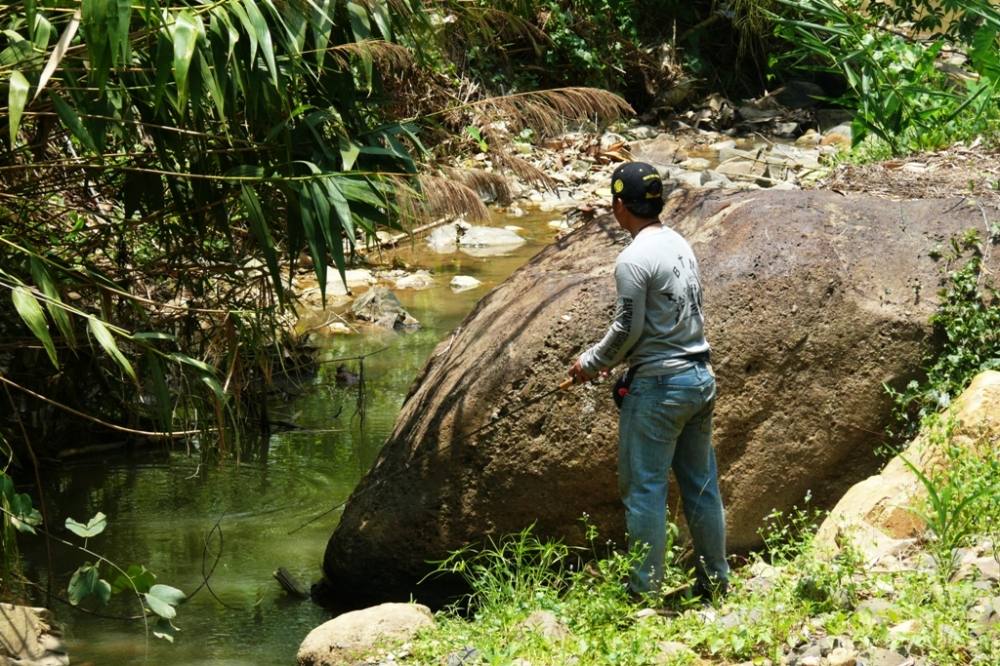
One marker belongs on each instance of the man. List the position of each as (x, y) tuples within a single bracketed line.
[(666, 415)]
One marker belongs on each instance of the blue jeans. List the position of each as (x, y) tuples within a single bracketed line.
[(665, 422)]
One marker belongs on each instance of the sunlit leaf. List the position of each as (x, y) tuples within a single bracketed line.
[(58, 52), (93, 527), (84, 583), (186, 29), (17, 98), (53, 303), (168, 594), (107, 342), (31, 312)]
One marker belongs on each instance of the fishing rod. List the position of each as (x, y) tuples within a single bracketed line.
[(564, 386)]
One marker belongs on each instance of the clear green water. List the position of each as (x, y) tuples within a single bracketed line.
[(162, 507)]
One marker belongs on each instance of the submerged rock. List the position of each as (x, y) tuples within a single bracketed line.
[(473, 240), (813, 301), (380, 306), (463, 283)]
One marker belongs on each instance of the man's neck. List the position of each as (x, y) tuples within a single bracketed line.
[(643, 226)]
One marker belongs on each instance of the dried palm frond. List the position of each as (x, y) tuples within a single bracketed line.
[(522, 168), (444, 197), (549, 111), (487, 184), (382, 52)]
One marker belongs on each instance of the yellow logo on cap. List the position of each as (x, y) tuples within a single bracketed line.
[(619, 186)]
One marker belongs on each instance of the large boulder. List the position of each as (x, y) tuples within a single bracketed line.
[(28, 637), (879, 515), (814, 301)]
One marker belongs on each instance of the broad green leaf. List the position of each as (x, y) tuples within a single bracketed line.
[(98, 17), (360, 24), (136, 579), (258, 24), (322, 26), (17, 98), (58, 313), (93, 527), (72, 121), (160, 607), (31, 312), (213, 383), (107, 342), (42, 33), (168, 594), (83, 583), (349, 152), (103, 591), (119, 31), (168, 637), (26, 516), (185, 33)]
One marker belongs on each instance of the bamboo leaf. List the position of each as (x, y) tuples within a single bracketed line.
[(54, 303), (185, 39), (17, 98), (31, 312), (261, 232), (107, 342), (42, 32), (72, 121), (259, 27)]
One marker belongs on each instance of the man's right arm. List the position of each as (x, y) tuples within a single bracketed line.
[(626, 327)]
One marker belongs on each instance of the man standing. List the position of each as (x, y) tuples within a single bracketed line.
[(666, 415)]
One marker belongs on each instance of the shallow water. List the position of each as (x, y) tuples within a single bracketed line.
[(162, 507)]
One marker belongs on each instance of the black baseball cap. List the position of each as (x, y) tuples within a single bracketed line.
[(640, 187)]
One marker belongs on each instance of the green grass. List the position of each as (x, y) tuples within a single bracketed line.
[(785, 594)]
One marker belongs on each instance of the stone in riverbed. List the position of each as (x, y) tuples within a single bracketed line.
[(418, 280), (463, 283), (380, 307), (460, 236), (349, 638)]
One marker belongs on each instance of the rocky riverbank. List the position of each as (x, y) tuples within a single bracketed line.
[(841, 599)]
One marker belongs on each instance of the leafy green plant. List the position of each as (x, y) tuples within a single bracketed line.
[(894, 83), (967, 328)]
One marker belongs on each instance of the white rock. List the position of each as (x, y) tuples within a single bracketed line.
[(695, 164), (418, 280), (723, 145), (642, 132), (450, 237), (560, 225), (350, 636), (463, 283)]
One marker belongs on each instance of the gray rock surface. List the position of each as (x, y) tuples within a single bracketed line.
[(349, 637), (813, 301), (380, 307), (27, 638)]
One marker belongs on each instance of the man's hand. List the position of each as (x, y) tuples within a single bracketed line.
[(578, 374)]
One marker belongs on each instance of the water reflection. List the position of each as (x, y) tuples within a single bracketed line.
[(163, 506)]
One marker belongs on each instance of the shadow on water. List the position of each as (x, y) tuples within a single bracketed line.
[(162, 507)]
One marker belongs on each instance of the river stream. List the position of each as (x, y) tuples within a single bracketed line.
[(162, 507)]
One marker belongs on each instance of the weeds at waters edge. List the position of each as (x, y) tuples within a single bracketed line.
[(795, 600)]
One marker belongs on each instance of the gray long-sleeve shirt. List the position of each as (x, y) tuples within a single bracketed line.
[(658, 321)]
